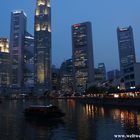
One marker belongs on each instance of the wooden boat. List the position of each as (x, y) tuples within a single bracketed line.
[(43, 112)]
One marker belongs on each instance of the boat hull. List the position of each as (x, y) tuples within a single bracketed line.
[(43, 112)]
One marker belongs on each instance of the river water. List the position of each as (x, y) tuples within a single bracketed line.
[(82, 122)]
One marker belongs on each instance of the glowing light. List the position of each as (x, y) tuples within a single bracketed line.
[(46, 11), (48, 4), (40, 2), (49, 28), (43, 26), (4, 45), (37, 12), (19, 12), (132, 87), (116, 96), (37, 27), (40, 74)]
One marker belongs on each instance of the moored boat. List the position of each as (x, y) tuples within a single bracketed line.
[(43, 112)]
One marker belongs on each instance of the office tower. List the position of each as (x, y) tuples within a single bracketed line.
[(4, 63), (42, 36), (82, 55), (66, 76), (100, 73), (126, 46), (17, 33), (98, 76), (102, 68), (28, 71), (55, 79)]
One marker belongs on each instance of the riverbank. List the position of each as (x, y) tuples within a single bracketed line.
[(101, 101), (129, 102)]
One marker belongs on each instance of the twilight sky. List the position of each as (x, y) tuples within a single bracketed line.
[(105, 15)]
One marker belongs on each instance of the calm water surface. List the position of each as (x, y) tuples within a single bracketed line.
[(82, 122)]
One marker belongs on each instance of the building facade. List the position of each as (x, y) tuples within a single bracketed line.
[(55, 79), (98, 76), (66, 76), (126, 46), (42, 36), (132, 76), (17, 33), (113, 74), (82, 55), (28, 71), (102, 68), (4, 63)]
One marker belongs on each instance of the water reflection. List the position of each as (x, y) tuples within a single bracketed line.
[(82, 122)]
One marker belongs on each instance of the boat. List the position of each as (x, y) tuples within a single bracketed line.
[(43, 112)]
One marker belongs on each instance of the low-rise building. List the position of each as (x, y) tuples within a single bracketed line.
[(131, 74)]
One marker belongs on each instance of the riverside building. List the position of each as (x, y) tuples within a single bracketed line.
[(82, 55), (126, 47), (4, 63), (42, 36), (17, 33), (28, 77)]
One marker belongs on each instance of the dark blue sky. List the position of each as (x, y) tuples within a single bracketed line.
[(105, 15)]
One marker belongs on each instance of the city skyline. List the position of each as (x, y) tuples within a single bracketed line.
[(105, 18)]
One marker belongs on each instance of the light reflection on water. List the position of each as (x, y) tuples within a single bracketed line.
[(82, 122)]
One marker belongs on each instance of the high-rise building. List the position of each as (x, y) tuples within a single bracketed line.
[(98, 76), (4, 63), (101, 66), (17, 33), (82, 55), (55, 79), (42, 36), (126, 46), (100, 73), (28, 71), (66, 76)]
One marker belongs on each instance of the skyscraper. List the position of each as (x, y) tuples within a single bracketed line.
[(82, 55), (17, 33), (66, 75), (126, 46), (28, 77), (42, 34)]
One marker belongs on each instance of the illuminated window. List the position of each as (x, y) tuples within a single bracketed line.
[(40, 74), (49, 28), (37, 12), (40, 2), (43, 26), (46, 12), (4, 45), (48, 4), (37, 27)]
